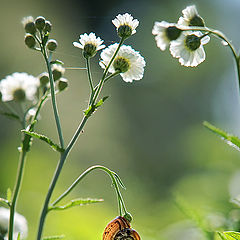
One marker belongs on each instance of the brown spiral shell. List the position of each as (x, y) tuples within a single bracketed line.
[(120, 229)]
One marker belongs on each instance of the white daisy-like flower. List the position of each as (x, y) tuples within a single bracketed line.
[(90, 44), (20, 224), (128, 62), (189, 48), (19, 87), (165, 33), (191, 17), (125, 24)]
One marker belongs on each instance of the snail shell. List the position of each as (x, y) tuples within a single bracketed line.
[(120, 229)]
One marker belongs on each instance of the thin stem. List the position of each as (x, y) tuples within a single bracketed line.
[(89, 74), (85, 173), (105, 73), (224, 38), (22, 158), (20, 172), (56, 176), (53, 97)]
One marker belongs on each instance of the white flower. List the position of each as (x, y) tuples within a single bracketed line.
[(188, 48), (191, 17), (20, 224), (90, 44), (125, 24), (19, 87), (128, 62), (165, 33)]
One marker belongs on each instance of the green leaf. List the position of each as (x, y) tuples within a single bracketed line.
[(54, 237), (88, 112), (221, 236), (9, 195), (230, 235), (2, 200), (18, 237), (228, 138), (101, 101), (76, 202), (45, 139), (57, 62)]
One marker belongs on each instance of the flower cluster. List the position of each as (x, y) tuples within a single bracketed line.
[(185, 45), (116, 59)]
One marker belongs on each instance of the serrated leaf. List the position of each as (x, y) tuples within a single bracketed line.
[(231, 235), (54, 237), (45, 139), (76, 202), (57, 62), (2, 200), (101, 101), (9, 195), (228, 138), (221, 236)]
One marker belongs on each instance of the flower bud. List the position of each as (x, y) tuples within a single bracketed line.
[(48, 27), (89, 50), (29, 25), (51, 45), (62, 84), (57, 71), (40, 23), (128, 217), (30, 40), (121, 64), (43, 78), (124, 31)]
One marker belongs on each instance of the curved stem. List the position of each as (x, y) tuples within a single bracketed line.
[(18, 183), (53, 97), (224, 38), (85, 173)]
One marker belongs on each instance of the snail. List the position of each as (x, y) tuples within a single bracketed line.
[(120, 229)]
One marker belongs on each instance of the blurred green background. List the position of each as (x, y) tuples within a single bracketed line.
[(150, 132)]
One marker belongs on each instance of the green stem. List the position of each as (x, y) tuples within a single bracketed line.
[(224, 38), (89, 74), (56, 176), (22, 158), (97, 92), (53, 97), (109, 172), (25, 143)]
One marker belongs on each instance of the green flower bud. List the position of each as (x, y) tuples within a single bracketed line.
[(43, 78), (40, 23), (121, 64), (19, 95), (30, 41), (124, 31), (48, 27), (89, 50), (62, 84), (29, 25), (51, 45), (57, 71)]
